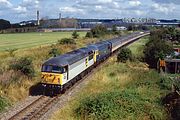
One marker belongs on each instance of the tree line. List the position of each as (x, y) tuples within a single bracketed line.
[(4, 24)]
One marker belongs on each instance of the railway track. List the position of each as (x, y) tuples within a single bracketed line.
[(30, 111)]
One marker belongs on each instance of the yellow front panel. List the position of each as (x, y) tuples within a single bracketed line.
[(52, 78), (95, 56)]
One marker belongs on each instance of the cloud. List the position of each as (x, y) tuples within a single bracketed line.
[(4, 4), (26, 9), (163, 8), (20, 9), (70, 9), (134, 3), (167, 1)]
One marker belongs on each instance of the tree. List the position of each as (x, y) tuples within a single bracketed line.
[(115, 31), (130, 28), (124, 55), (157, 48), (75, 35), (4, 24), (114, 28)]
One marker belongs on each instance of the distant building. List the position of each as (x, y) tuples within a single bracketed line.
[(121, 28), (171, 65)]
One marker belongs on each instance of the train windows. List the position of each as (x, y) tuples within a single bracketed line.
[(90, 57), (46, 68), (53, 69), (57, 69)]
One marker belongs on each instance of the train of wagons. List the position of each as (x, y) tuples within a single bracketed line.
[(61, 72)]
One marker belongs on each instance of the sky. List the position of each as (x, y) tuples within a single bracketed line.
[(20, 10)]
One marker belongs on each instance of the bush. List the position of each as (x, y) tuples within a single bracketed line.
[(11, 51), (124, 55), (75, 35), (99, 31), (54, 52), (24, 65), (67, 41), (115, 31), (117, 105), (89, 35)]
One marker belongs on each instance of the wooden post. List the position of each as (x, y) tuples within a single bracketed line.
[(175, 67)]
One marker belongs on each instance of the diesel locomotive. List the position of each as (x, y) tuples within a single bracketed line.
[(61, 72)]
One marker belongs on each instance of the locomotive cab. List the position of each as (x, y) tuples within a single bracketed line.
[(53, 74)]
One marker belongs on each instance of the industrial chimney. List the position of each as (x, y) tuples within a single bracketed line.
[(60, 17), (38, 22)]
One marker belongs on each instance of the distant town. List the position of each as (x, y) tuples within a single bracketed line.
[(70, 24), (89, 23)]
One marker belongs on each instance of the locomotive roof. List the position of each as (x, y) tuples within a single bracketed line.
[(76, 55), (97, 45), (122, 38), (69, 58)]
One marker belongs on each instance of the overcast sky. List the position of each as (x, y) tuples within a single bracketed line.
[(19, 10)]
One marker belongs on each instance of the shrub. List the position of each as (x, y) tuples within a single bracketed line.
[(11, 52), (54, 52), (67, 41), (126, 104), (99, 31), (75, 35), (24, 65), (97, 107), (115, 31), (89, 35), (124, 55)]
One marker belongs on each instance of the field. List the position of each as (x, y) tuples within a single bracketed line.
[(28, 40)]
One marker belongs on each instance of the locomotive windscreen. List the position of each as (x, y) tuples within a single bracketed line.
[(53, 69)]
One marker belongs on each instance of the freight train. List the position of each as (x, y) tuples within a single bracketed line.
[(61, 72)]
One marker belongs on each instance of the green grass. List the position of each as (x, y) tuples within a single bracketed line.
[(28, 40), (138, 46), (3, 104)]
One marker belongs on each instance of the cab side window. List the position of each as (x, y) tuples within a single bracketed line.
[(90, 57)]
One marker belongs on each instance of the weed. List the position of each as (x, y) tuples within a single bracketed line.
[(3, 103)]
